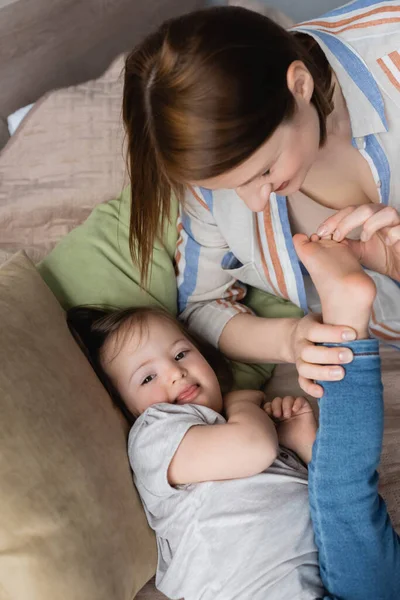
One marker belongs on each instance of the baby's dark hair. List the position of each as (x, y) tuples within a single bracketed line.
[(92, 326)]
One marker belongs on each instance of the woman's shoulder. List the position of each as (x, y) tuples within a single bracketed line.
[(371, 28)]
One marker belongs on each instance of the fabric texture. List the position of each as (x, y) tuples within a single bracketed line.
[(65, 158), (71, 523), (200, 527)]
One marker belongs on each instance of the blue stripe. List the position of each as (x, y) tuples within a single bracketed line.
[(357, 70), (376, 152), (347, 8), (284, 218), (192, 255), (208, 198), (230, 261)]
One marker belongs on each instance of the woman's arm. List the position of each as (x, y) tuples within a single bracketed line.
[(245, 445), (254, 339), (209, 302), (359, 551)]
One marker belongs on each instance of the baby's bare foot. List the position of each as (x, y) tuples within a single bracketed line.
[(347, 293)]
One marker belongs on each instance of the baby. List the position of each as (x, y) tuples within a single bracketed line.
[(221, 474)]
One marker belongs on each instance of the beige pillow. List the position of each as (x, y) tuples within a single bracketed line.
[(65, 158), (71, 524)]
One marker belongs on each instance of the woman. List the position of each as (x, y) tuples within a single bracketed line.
[(264, 133)]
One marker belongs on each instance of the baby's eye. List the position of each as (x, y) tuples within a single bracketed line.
[(148, 379), (181, 355), (267, 172)]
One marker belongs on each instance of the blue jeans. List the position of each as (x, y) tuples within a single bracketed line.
[(359, 551)]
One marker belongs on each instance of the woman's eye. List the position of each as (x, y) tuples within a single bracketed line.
[(147, 379), (181, 355)]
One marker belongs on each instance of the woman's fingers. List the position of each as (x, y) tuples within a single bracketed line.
[(310, 388), (355, 219), (387, 217), (320, 372), (326, 356), (329, 226), (372, 217), (393, 236), (320, 333)]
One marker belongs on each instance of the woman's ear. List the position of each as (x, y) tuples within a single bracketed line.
[(299, 81)]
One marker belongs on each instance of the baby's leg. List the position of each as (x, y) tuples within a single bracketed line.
[(359, 551)]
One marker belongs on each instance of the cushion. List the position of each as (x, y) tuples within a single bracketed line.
[(71, 523), (93, 265), (65, 158)]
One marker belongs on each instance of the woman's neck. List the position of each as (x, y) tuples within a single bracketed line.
[(338, 123)]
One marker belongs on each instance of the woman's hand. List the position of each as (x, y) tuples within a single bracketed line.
[(319, 362), (379, 246)]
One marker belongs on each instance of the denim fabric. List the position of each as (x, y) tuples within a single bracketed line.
[(359, 551)]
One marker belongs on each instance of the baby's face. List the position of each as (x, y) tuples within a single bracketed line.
[(161, 365)]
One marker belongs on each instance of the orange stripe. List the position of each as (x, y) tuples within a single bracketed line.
[(240, 308), (395, 57), (235, 291), (241, 291), (269, 232), (200, 200), (333, 25), (364, 25), (223, 303), (389, 74), (264, 264), (178, 257), (178, 254), (382, 335), (374, 320)]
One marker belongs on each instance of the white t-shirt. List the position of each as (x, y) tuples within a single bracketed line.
[(242, 539)]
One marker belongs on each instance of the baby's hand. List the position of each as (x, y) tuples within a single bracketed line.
[(295, 424), (282, 409)]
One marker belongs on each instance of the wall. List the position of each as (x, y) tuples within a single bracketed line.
[(300, 10)]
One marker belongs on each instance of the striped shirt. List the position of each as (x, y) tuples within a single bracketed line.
[(223, 246)]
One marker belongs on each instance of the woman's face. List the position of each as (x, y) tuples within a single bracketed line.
[(281, 164)]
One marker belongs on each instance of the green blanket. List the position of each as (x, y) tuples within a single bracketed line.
[(92, 265)]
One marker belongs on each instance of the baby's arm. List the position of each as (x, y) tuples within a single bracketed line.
[(243, 446)]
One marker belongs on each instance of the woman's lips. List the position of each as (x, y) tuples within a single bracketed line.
[(188, 394), (282, 186)]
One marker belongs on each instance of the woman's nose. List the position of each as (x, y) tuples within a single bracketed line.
[(257, 198)]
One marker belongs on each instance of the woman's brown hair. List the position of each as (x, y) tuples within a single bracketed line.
[(92, 326), (201, 95)]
